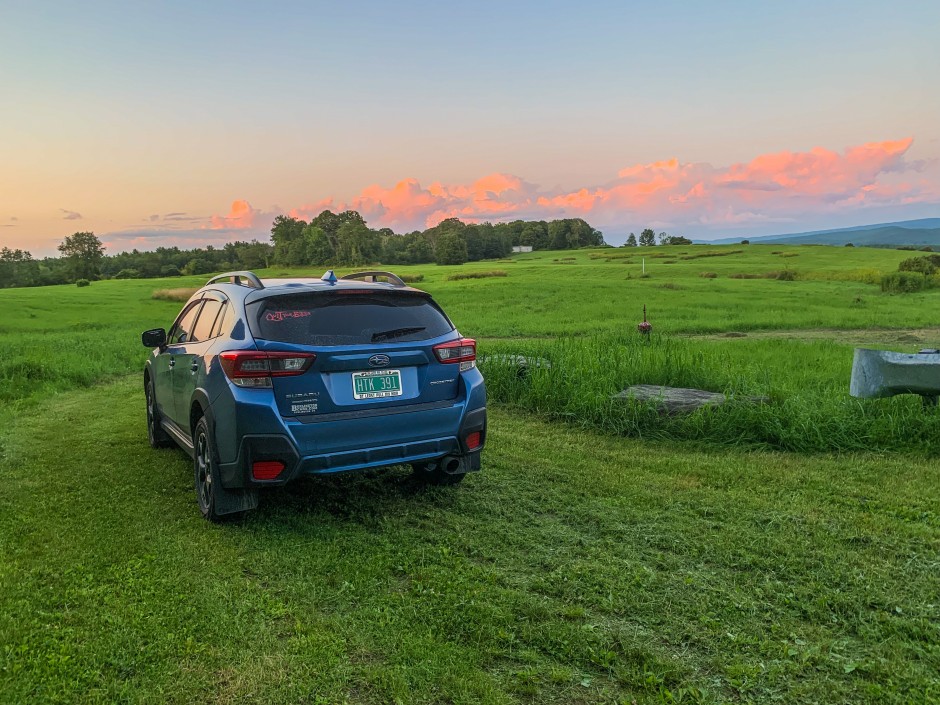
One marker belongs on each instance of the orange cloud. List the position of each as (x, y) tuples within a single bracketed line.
[(241, 217), (771, 187)]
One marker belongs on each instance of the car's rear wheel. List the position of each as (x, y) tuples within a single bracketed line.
[(157, 437), (435, 474), (205, 470)]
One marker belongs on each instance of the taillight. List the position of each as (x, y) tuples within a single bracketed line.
[(463, 351), (255, 368)]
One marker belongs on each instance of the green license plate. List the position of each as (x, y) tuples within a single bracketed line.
[(376, 384)]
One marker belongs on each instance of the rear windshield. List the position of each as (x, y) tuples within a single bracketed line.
[(347, 318)]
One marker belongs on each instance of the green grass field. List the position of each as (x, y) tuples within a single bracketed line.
[(780, 553)]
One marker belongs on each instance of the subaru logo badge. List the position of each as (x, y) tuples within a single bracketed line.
[(379, 360)]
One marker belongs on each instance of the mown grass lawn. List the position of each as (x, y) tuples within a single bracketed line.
[(577, 567)]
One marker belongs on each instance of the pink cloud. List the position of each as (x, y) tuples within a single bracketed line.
[(241, 217), (774, 187)]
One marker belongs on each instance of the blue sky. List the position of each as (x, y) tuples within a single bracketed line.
[(123, 111)]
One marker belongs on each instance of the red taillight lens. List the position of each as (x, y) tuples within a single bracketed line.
[(255, 368), (473, 440), (463, 351), (266, 469)]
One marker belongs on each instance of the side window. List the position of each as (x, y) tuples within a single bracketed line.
[(204, 326), (223, 322), (184, 325)]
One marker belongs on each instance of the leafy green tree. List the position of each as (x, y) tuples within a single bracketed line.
[(450, 248), (514, 231), (83, 252), (198, 265), (558, 234), (319, 248), (536, 235), (581, 234), (18, 268), (285, 231), (419, 249), (631, 241), (665, 239), (252, 255), (647, 238), (356, 244), (295, 255)]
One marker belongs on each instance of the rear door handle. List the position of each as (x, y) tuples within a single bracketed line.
[(172, 362), (194, 367)]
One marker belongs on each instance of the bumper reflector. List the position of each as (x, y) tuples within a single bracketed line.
[(266, 469), (473, 440)]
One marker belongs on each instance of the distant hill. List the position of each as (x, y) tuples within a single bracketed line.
[(925, 231)]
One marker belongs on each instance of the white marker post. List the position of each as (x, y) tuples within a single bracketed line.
[(644, 265)]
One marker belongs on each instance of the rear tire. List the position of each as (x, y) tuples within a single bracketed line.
[(156, 436), (215, 502), (434, 474), (205, 471)]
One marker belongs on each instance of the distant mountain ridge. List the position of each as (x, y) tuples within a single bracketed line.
[(919, 233)]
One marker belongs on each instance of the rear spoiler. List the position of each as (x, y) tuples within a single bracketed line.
[(373, 276)]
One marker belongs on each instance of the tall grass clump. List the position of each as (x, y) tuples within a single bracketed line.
[(903, 282), (475, 275), (864, 275), (411, 278), (713, 254), (810, 409), (181, 294)]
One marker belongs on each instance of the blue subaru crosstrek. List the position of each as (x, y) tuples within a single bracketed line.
[(263, 381)]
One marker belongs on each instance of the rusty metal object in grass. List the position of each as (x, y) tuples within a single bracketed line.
[(522, 363), (645, 327)]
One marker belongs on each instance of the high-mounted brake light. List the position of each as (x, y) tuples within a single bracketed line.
[(255, 368), (463, 351)]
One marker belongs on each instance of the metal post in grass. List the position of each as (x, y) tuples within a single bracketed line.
[(645, 327)]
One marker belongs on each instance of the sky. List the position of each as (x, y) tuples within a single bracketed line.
[(189, 124)]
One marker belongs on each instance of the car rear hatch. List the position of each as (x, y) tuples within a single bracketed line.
[(374, 351)]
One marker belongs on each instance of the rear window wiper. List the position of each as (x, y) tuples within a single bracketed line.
[(395, 333)]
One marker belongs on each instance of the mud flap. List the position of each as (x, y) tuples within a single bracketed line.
[(234, 501)]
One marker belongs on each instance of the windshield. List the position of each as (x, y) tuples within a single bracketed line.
[(346, 318)]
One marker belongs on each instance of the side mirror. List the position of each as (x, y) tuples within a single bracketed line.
[(155, 338)]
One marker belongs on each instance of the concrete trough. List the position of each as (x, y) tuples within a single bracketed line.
[(882, 373)]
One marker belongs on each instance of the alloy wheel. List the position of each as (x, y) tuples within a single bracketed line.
[(203, 470)]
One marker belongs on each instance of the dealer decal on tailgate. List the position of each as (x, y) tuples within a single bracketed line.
[(303, 403)]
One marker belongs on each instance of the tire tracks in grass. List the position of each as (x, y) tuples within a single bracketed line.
[(576, 566)]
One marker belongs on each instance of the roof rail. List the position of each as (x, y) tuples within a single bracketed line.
[(371, 277), (249, 279)]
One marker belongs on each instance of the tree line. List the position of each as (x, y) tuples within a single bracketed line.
[(83, 257), (330, 239), (344, 239), (648, 239)]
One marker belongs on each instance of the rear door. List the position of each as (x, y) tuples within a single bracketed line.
[(189, 364), (374, 349)]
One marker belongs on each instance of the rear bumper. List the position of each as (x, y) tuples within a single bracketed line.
[(337, 446)]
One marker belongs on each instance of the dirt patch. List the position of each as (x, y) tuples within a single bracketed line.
[(859, 337)]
